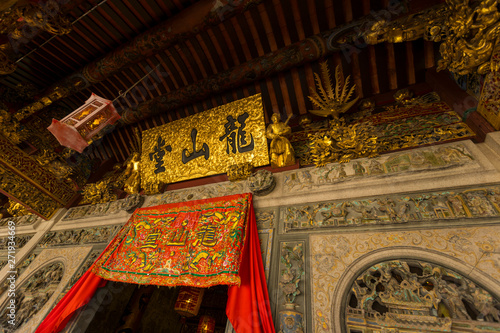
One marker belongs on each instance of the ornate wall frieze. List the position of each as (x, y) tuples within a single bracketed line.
[(20, 220), (33, 294), (395, 209), (202, 192), (104, 209), (21, 240), (42, 282), (424, 159), (79, 236), (265, 218)]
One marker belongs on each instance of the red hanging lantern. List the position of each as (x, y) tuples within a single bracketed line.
[(206, 325), (189, 301), (75, 130)]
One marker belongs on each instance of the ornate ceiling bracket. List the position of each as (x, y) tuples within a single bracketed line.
[(195, 19), (468, 33), (27, 182)]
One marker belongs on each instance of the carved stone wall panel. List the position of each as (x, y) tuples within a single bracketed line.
[(334, 257), (266, 218), (20, 240), (29, 219), (414, 208), (402, 163), (103, 209), (197, 193), (71, 259), (80, 236)]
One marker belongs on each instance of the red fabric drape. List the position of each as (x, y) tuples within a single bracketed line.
[(247, 308), (78, 296)]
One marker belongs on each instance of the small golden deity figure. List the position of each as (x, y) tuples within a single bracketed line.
[(282, 153), (132, 184)]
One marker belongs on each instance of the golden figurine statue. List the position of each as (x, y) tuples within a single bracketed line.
[(132, 171), (282, 153)]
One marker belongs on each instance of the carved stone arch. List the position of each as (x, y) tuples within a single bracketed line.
[(33, 292), (341, 292)]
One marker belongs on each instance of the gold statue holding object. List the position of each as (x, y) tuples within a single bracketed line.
[(282, 153)]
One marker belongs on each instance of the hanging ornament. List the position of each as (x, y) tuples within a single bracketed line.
[(206, 325), (76, 130), (189, 301)]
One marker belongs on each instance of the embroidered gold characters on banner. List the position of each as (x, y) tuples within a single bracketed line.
[(206, 143)]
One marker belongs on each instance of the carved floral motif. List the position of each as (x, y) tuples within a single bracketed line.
[(102, 234)]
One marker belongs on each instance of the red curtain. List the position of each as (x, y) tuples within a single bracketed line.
[(247, 308)]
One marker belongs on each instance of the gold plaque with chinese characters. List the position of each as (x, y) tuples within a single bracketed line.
[(206, 144)]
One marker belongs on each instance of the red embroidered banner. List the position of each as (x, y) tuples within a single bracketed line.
[(198, 244)]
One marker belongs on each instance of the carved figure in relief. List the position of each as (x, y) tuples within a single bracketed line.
[(282, 153), (375, 168), (483, 302), (480, 204), (359, 169), (456, 206)]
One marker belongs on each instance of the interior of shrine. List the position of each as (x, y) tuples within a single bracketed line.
[(143, 141)]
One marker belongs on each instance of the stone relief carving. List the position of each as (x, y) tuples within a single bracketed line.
[(85, 266), (332, 255), (416, 295), (21, 240), (265, 218), (20, 220), (82, 236), (109, 208), (424, 159), (291, 274), (394, 209), (19, 270), (33, 294), (202, 192)]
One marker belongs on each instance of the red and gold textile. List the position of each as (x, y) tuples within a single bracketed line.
[(197, 243)]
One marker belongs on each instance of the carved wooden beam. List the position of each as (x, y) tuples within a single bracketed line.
[(188, 23)]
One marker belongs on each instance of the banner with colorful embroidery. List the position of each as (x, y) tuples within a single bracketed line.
[(197, 243)]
